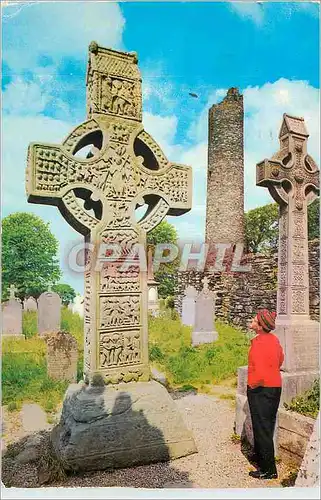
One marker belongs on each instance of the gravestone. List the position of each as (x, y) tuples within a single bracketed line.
[(204, 328), (30, 304), (309, 473), (49, 313), (12, 315), (188, 306), (62, 356), (152, 284), (125, 422), (292, 178)]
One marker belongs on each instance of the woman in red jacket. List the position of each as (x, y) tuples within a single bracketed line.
[(264, 387)]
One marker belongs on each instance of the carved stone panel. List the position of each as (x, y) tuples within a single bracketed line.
[(119, 311), (119, 348)]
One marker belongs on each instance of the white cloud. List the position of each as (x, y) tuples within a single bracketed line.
[(162, 129), (249, 10), (22, 98), (58, 29), (264, 108), (17, 133), (257, 11), (198, 129)]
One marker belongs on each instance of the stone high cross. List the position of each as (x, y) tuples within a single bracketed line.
[(98, 195), (292, 177)]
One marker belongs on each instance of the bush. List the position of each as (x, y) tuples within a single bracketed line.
[(170, 302), (308, 403)]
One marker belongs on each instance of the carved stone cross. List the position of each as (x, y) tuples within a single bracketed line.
[(12, 289), (98, 194), (292, 178)]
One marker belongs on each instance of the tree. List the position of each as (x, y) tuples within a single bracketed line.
[(314, 220), (65, 292), (262, 231), (29, 255), (164, 233), (261, 228)]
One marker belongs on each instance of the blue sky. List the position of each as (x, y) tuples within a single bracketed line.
[(268, 50)]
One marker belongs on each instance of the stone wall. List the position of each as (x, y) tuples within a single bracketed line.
[(225, 174), (241, 294)]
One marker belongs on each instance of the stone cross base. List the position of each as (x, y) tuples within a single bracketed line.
[(300, 342), (292, 384), (199, 338), (106, 427)]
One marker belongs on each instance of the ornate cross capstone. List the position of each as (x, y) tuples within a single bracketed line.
[(292, 177), (12, 289), (123, 168)]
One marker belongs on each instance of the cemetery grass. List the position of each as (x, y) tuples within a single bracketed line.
[(24, 370), (24, 367), (201, 367)]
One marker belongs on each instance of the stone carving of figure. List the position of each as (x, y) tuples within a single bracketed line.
[(106, 94)]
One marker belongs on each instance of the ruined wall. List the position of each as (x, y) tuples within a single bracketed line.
[(225, 174), (241, 294)]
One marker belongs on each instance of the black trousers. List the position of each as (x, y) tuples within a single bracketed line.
[(264, 403)]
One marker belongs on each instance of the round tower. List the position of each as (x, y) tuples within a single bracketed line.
[(225, 173)]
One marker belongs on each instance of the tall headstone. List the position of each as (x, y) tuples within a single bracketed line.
[(30, 304), (152, 284), (188, 306), (309, 473), (225, 172), (292, 178), (98, 196), (204, 331), (49, 313), (12, 315)]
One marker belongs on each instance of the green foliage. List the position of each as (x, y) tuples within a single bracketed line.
[(65, 292), (29, 324), (29, 255), (235, 438), (314, 220), (167, 282), (261, 228), (164, 233), (155, 353), (24, 368), (308, 403), (289, 480), (170, 302), (170, 345)]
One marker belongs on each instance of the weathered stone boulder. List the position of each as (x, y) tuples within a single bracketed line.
[(121, 425)]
